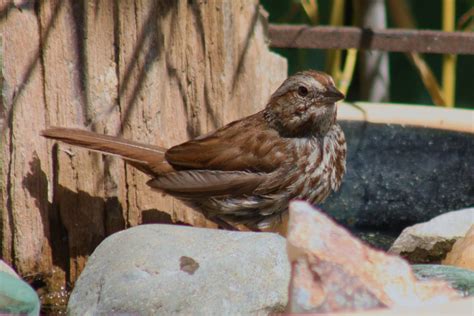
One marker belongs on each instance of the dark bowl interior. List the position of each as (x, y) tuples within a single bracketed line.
[(401, 175)]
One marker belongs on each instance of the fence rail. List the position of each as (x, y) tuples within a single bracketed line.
[(393, 40)]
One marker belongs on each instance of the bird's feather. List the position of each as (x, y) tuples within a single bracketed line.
[(208, 183), (148, 158), (232, 148)]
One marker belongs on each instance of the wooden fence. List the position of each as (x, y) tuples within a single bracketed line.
[(391, 40)]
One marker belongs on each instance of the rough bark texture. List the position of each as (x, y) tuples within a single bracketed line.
[(154, 71)]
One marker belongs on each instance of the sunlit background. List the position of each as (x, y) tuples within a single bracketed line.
[(406, 77)]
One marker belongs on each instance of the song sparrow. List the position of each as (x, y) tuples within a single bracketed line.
[(247, 171)]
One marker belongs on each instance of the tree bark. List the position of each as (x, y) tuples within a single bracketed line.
[(159, 72)]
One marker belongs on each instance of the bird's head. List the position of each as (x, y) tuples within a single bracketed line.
[(304, 104)]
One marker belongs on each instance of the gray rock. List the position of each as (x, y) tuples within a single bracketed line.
[(460, 279), (16, 296), (398, 176), (430, 242), (165, 269)]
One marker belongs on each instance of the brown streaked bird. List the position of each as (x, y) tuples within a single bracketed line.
[(247, 171)]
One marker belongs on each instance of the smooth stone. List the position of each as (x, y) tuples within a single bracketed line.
[(462, 253), (4, 267), (16, 296), (166, 269), (460, 279), (398, 176), (429, 242)]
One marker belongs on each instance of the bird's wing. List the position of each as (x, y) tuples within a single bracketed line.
[(208, 183), (244, 145), (233, 160)]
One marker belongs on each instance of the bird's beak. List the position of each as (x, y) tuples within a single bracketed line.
[(332, 95)]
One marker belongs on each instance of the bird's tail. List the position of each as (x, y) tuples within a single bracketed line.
[(148, 158)]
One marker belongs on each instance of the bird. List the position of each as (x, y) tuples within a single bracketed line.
[(246, 172)]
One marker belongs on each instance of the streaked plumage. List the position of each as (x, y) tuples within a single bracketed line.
[(247, 171)]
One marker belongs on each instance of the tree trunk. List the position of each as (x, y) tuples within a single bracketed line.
[(159, 72)]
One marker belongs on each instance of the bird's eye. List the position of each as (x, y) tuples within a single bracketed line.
[(302, 91)]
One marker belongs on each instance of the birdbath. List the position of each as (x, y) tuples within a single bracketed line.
[(406, 164)]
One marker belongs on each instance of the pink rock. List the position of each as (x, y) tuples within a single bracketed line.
[(462, 254), (333, 271)]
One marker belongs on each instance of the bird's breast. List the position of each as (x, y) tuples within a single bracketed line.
[(320, 166)]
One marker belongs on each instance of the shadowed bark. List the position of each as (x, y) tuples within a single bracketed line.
[(153, 71)]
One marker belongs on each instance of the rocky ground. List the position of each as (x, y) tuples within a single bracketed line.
[(320, 267)]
